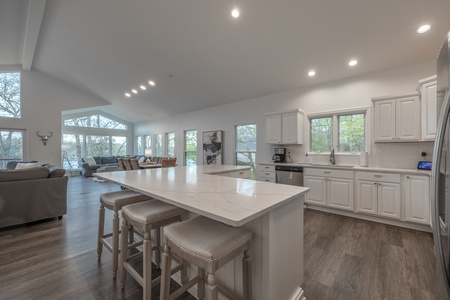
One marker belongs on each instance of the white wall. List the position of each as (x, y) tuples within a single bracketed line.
[(43, 98), (342, 94)]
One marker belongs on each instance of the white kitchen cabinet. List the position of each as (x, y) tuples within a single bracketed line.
[(285, 127), (333, 188), (378, 194), (429, 107), (417, 199), (267, 173), (397, 119)]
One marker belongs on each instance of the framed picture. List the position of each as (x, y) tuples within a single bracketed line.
[(212, 147)]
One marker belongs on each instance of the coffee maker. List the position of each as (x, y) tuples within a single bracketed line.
[(280, 155)]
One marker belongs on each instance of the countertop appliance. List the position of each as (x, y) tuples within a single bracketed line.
[(289, 175), (279, 155), (440, 198)]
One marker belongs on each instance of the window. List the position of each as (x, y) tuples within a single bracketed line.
[(170, 144), (190, 147), (246, 146), (138, 145), (10, 95), (95, 121), (158, 145), (72, 149), (346, 131), (148, 141), (11, 142), (118, 146)]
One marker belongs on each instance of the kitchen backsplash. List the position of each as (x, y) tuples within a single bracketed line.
[(382, 155)]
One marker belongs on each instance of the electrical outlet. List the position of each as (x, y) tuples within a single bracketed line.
[(423, 153)]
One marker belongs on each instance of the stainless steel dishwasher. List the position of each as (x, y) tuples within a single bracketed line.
[(289, 175)]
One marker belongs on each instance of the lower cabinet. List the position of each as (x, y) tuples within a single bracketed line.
[(333, 188), (417, 199), (378, 194), (267, 173)]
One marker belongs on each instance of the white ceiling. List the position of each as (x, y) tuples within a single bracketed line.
[(199, 56)]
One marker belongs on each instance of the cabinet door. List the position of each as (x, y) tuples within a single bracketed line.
[(417, 199), (317, 190), (389, 200), (366, 197), (429, 111), (273, 129), (292, 133), (384, 120), (340, 193), (408, 119)]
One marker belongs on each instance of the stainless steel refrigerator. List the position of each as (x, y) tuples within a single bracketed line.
[(440, 212)]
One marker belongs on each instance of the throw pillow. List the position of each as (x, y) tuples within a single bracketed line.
[(141, 160), (90, 161), (26, 165)]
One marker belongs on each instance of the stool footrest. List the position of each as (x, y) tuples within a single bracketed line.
[(185, 287)]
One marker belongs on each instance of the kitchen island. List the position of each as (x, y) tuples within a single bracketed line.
[(273, 212)]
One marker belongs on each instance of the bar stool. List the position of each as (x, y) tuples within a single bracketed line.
[(114, 201), (147, 216), (209, 245)]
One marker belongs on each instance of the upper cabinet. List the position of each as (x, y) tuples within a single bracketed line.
[(397, 119), (429, 105), (285, 127)]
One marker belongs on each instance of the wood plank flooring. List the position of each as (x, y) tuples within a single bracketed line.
[(345, 258)]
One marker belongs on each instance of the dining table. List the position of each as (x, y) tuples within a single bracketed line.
[(273, 212)]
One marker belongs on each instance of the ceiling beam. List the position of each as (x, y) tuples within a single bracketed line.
[(34, 20)]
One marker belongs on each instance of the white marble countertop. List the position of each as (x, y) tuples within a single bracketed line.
[(354, 168), (229, 200)]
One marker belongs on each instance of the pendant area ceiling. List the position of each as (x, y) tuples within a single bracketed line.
[(199, 56)]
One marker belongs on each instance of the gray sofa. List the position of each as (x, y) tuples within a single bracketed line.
[(32, 194), (101, 162)]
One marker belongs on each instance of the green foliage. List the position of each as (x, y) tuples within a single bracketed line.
[(351, 133), (321, 134)]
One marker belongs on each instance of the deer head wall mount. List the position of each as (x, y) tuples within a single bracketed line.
[(44, 137)]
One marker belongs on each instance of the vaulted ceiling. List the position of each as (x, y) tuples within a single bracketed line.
[(198, 55)]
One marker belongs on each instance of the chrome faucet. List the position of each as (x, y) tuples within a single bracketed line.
[(332, 158)]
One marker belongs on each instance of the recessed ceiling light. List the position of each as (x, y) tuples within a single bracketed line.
[(353, 63), (143, 87), (128, 95), (311, 73), (423, 28), (235, 13), (151, 83), (134, 91)]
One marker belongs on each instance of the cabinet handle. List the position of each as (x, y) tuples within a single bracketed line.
[(379, 183), (407, 177), (241, 172), (266, 180), (375, 183), (326, 172), (266, 167), (377, 175), (267, 173)]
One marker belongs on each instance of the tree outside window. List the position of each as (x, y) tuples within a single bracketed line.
[(190, 148), (321, 134), (170, 147), (10, 95), (351, 133), (11, 146), (246, 146), (158, 146)]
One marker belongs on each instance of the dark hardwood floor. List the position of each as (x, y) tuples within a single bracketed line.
[(345, 258)]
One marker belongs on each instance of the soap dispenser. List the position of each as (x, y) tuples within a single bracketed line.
[(306, 158)]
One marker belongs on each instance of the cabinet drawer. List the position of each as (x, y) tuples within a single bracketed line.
[(267, 179), (386, 177), (267, 174), (328, 173), (267, 168)]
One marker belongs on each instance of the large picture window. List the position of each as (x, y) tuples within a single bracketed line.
[(190, 147), (10, 95), (170, 144), (158, 146), (345, 131), (246, 146), (95, 121), (11, 146)]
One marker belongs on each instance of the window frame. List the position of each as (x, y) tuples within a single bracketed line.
[(20, 94), (185, 152), (366, 110)]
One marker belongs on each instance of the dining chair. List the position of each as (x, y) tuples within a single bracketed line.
[(127, 164), (168, 162), (121, 164), (134, 163)]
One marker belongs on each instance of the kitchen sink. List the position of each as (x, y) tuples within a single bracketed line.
[(332, 166)]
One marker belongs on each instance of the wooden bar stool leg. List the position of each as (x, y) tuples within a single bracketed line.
[(123, 253), (165, 273), (130, 234), (101, 228), (158, 247), (247, 277), (115, 242), (201, 284), (212, 290), (147, 253)]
